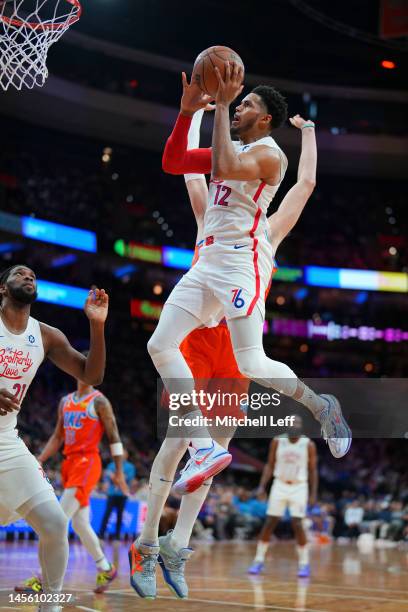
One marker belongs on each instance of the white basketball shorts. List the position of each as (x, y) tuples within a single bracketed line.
[(288, 496), (21, 476), (229, 279)]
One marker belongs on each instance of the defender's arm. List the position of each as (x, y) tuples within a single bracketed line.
[(288, 213)]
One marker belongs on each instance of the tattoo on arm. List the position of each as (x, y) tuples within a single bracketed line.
[(105, 412)]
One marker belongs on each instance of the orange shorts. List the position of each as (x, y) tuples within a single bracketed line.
[(208, 352), (209, 355), (82, 472)]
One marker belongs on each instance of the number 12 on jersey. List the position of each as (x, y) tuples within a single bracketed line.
[(222, 193)]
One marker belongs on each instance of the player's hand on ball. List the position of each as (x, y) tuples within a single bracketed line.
[(8, 402), (230, 87), (193, 99), (118, 479), (96, 305), (298, 122)]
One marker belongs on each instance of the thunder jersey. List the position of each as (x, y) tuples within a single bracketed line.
[(20, 357), (292, 459), (237, 209), (83, 429)]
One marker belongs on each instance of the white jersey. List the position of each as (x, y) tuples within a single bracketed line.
[(237, 209), (20, 357), (292, 459)]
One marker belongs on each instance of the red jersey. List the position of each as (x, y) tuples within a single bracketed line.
[(82, 428)]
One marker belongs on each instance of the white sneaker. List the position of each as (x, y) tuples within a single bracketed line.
[(335, 430), (203, 464)]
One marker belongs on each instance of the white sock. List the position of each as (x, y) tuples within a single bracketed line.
[(160, 482), (312, 401), (103, 564), (303, 554), (189, 510), (198, 434), (81, 524), (261, 549)]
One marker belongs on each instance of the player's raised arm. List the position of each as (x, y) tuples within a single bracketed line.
[(288, 213), (313, 473), (57, 438), (195, 183), (90, 369), (269, 468), (177, 159), (104, 410)]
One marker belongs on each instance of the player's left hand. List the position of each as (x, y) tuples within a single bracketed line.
[(230, 87), (96, 305), (298, 122), (118, 479), (193, 98)]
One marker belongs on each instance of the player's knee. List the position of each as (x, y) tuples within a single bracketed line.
[(153, 347), (250, 363), (77, 524), (160, 348), (297, 524), (55, 525)]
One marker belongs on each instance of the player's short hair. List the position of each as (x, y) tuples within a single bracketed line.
[(5, 275), (275, 103)]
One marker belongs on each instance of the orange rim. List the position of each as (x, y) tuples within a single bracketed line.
[(46, 26)]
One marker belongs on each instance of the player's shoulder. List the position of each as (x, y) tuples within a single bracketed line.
[(100, 399), (65, 399), (311, 444), (50, 334)]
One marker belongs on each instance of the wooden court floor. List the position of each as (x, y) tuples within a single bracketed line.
[(344, 580)]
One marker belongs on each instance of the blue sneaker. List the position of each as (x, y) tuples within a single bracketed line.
[(335, 430), (203, 464), (172, 563), (142, 561), (304, 571), (256, 568)]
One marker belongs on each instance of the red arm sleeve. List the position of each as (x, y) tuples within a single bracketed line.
[(177, 159)]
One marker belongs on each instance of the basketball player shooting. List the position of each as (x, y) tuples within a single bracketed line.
[(25, 492), (236, 259), (208, 352), (84, 416)]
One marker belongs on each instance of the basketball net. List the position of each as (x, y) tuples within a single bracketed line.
[(27, 30)]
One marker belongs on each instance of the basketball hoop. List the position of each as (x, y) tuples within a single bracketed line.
[(27, 30)]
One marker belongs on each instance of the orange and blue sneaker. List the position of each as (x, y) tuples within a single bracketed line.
[(335, 430), (31, 586), (202, 465), (143, 560), (104, 579), (172, 563)]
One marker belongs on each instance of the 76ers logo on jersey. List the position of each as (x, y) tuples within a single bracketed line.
[(237, 300)]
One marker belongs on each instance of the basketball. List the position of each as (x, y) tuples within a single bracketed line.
[(203, 72)]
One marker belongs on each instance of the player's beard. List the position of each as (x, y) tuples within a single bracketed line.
[(237, 132), (19, 294)]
